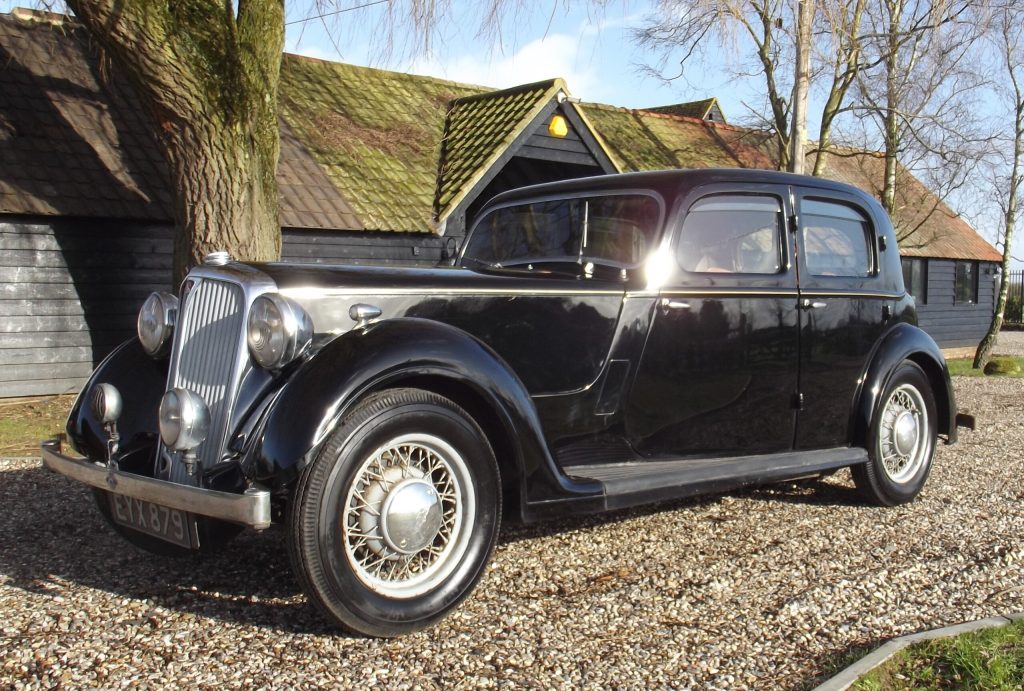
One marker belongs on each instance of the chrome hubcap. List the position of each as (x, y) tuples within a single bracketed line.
[(411, 516), (903, 445), (408, 516)]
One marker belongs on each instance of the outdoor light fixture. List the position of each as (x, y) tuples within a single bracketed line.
[(558, 127)]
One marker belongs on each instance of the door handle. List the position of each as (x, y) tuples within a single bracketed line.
[(670, 304), (813, 304)]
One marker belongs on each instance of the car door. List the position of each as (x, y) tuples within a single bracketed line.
[(844, 308), (718, 375)]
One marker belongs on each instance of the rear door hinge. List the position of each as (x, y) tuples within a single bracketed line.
[(798, 401), (794, 223)]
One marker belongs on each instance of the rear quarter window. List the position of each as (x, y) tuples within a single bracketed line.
[(836, 239)]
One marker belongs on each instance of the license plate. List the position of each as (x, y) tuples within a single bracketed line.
[(173, 525)]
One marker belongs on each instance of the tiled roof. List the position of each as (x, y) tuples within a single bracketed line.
[(376, 133), (642, 140), (692, 109), (75, 144), (479, 128), (360, 148), (70, 145)]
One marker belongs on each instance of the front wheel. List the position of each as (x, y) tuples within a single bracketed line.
[(393, 523), (902, 440)]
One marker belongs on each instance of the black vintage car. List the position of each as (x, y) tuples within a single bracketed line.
[(599, 343)]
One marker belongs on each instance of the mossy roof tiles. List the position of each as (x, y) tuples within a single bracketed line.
[(376, 133), (479, 129)]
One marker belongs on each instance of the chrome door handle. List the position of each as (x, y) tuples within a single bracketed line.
[(814, 304), (670, 304)]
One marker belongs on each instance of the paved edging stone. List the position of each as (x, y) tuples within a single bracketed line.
[(849, 676)]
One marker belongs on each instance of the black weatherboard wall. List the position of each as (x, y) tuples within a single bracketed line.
[(955, 325), (70, 289)]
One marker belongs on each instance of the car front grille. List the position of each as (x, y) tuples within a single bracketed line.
[(206, 360)]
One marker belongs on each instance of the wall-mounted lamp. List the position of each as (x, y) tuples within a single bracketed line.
[(558, 127)]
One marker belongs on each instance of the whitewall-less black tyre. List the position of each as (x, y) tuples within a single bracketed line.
[(393, 524), (902, 440)]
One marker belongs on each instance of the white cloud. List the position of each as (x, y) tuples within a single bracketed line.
[(555, 55)]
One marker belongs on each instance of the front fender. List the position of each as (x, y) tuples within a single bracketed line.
[(141, 381), (905, 342), (326, 387)]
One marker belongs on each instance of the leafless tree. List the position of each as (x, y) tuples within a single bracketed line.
[(917, 84), (683, 30), (1008, 42)]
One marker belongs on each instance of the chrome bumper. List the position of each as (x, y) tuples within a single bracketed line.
[(251, 509)]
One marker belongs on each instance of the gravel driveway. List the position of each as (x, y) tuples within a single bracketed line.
[(751, 589)]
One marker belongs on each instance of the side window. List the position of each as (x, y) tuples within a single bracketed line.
[(518, 234), (965, 287), (915, 278), (836, 239), (732, 233), (614, 229), (621, 229)]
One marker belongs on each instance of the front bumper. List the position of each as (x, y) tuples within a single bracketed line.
[(252, 508)]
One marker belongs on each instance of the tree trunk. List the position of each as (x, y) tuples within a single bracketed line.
[(801, 84), (207, 73), (984, 350), (891, 128)]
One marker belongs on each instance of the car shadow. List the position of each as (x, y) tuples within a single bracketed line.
[(53, 534)]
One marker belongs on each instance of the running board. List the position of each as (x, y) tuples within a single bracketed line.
[(640, 482)]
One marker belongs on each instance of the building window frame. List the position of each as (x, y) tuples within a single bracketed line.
[(915, 278), (965, 282)]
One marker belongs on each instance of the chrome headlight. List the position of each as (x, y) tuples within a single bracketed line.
[(184, 420), (156, 322), (278, 330)]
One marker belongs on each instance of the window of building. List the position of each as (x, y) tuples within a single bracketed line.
[(965, 289), (836, 239), (915, 278), (733, 234)]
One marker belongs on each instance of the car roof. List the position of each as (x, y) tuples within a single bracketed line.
[(667, 182)]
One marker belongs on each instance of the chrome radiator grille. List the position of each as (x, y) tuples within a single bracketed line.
[(206, 361)]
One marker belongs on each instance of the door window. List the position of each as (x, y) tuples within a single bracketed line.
[(732, 233), (836, 240)]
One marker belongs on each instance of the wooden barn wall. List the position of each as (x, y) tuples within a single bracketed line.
[(954, 326), (70, 289)]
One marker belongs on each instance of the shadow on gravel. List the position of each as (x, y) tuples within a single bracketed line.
[(52, 532), (809, 492)]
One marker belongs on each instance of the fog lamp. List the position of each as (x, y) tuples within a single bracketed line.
[(184, 420), (106, 403)]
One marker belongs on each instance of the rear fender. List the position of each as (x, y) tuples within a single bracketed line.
[(905, 342), (384, 355)]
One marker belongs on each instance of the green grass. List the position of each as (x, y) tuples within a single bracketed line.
[(961, 367), (24, 423), (988, 659)]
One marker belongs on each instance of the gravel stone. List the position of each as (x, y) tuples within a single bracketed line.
[(753, 589)]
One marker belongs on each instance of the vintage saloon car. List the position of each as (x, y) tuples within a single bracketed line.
[(598, 344)]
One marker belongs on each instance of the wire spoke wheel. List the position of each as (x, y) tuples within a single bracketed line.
[(408, 514), (901, 444)]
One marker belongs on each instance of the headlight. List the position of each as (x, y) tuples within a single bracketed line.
[(184, 420), (278, 330), (156, 322)]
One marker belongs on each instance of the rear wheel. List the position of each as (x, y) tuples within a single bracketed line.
[(393, 523), (902, 440)]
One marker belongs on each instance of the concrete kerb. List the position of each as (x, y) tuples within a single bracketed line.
[(849, 676)]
